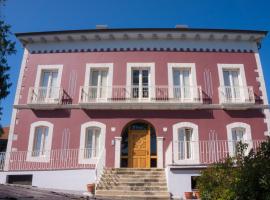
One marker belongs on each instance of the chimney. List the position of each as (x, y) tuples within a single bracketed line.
[(101, 26), (183, 26)]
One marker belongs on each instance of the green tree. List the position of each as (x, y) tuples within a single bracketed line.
[(254, 177), (7, 48), (240, 177)]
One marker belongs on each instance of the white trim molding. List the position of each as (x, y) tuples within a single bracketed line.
[(48, 142), (117, 153), (239, 67), (247, 135), (244, 93), (14, 110), (152, 74), (262, 88), (102, 137), (90, 66), (194, 143), (41, 68), (172, 66), (160, 152)]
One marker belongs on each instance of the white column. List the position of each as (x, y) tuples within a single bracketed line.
[(117, 152), (160, 152)]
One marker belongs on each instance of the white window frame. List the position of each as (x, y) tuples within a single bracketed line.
[(179, 66), (242, 76), (100, 66), (48, 144), (151, 78), (195, 138), (84, 127), (41, 68), (247, 135)]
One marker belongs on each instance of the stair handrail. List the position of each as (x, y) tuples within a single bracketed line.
[(100, 165)]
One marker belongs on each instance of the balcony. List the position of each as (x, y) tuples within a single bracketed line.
[(44, 97), (208, 151), (135, 97), (236, 97), (205, 152)]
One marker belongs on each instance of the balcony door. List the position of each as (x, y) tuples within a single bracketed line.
[(232, 85), (140, 84), (48, 90), (182, 83), (98, 84)]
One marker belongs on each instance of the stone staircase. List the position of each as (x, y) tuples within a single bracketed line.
[(131, 184)]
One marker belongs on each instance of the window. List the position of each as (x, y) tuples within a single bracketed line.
[(237, 136), (40, 141), (233, 87), (47, 83), (232, 84), (181, 83), (92, 142), (185, 143), (98, 81), (140, 83), (140, 80), (237, 132)]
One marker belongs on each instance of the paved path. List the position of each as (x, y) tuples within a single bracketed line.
[(14, 192)]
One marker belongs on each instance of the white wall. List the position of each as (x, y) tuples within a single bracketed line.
[(179, 181), (62, 179)]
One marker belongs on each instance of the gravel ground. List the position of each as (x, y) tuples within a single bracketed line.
[(27, 192)]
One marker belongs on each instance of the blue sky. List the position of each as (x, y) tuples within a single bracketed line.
[(48, 15)]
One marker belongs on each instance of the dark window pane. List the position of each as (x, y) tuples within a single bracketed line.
[(153, 162)]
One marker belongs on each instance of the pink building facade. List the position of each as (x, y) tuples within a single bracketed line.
[(82, 94)]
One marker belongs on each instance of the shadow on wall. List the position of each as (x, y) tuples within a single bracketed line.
[(63, 113), (252, 113), (141, 114)]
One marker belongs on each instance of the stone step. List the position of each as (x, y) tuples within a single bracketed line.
[(134, 172), (133, 188), (133, 183), (131, 193), (129, 197), (134, 176), (130, 180), (134, 169)]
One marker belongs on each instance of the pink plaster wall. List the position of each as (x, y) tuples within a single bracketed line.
[(72, 119)]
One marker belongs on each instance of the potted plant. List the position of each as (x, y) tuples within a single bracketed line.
[(91, 188), (189, 195), (197, 194)]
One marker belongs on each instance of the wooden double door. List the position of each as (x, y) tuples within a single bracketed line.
[(139, 148)]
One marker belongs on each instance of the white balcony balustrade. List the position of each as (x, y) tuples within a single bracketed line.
[(143, 94), (236, 95), (207, 152), (204, 152), (48, 160), (45, 95)]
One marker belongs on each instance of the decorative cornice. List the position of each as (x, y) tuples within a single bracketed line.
[(142, 49)]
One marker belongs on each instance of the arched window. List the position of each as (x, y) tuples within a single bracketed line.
[(237, 132), (185, 145), (92, 142), (40, 141)]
